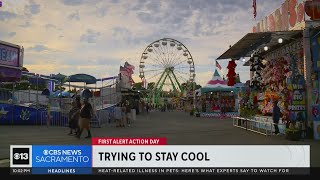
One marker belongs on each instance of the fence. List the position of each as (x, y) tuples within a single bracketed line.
[(27, 107), (61, 119), (255, 125)]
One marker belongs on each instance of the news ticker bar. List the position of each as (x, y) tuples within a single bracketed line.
[(189, 156), (162, 171), (152, 153)]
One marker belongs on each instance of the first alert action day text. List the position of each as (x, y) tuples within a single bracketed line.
[(158, 156)]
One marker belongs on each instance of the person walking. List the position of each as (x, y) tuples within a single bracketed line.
[(128, 113), (86, 113), (118, 115), (275, 117), (123, 114), (74, 118)]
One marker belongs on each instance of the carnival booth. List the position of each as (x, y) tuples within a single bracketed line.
[(217, 99), (277, 74)]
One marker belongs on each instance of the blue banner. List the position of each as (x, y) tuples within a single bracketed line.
[(61, 156)]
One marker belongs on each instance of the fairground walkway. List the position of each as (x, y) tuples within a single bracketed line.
[(178, 127)]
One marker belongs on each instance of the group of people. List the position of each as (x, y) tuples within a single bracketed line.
[(79, 117)]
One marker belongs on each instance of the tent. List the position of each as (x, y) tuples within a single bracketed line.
[(217, 84), (85, 78)]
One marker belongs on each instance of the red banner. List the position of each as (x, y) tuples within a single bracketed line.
[(129, 141), (290, 16)]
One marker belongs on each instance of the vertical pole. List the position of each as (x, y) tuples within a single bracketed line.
[(194, 95), (307, 70), (29, 87), (37, 100), (101, 94), (12, 115), (60, 97)]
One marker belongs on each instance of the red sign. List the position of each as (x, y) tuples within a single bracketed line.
[(290, 16), (129, 141)]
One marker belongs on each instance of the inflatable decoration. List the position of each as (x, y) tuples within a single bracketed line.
[(231, 73)]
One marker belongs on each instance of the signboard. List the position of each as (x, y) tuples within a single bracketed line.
[(291, 48), (290, 16), (9, 55), (297, 100)]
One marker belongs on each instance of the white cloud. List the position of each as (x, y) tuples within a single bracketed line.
[(70, 35)]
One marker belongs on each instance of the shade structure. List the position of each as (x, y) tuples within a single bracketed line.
[(37, 80), (85, 78), (252, 41), (217, 84)]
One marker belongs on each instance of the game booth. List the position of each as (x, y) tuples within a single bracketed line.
[(217, 99), (284, 68)]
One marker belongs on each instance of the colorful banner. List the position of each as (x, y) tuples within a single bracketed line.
[(290, 16), (296, 99)]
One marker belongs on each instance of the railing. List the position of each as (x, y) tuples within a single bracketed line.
[(56, 119), (260, 127)]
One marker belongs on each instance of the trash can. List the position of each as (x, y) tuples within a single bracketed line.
[(133, 114)]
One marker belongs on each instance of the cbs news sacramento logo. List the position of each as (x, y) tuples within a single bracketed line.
[(20, 156)]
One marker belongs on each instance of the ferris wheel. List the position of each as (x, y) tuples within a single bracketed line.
[(169, 66)]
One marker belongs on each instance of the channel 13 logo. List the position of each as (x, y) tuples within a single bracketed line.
[(20, 155)]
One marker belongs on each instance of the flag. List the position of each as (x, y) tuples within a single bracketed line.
[(129, 67), (124, 71), (218, 65), (254, 5)]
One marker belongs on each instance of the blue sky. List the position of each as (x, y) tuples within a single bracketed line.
[(97, 36)]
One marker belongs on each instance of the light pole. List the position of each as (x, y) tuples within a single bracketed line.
[(29, 92), (13, 88)]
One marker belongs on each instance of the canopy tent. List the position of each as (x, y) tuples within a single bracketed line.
[(217, 84), (85, 78)]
